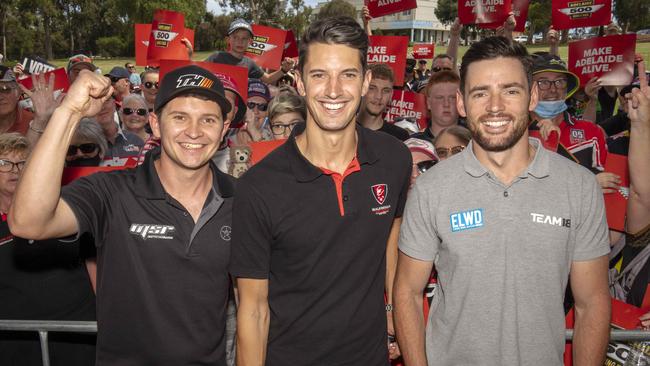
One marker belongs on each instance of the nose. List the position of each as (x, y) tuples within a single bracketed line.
[(495, 103), (193, 130), (333, 88)]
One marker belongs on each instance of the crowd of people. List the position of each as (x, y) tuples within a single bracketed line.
[(324, 252)]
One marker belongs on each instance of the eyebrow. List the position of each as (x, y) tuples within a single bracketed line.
[(501, 86), (352, 69)]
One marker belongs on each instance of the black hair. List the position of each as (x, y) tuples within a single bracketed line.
[(335, 30), (495, 47)]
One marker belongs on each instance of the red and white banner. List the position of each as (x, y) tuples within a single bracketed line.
[(236, 74), (378, 8), (389, 50), (167, 30), (488, 12), (520, 10), (290, 45), (60, 80), (36, 65), (423, 51), (567, 14), (407, 104), (142, 32), (267, 46), (610, 58)]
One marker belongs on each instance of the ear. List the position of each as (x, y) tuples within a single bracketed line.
[(460, 104), (154, 122), (366, 82), (534, 98), (226, 126), (300, 85)]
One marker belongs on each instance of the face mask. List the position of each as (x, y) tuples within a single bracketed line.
[(550, 109), (85, 161)]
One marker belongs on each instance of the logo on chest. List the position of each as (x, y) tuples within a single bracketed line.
[(466, 220), (153, 231), (577, 135), (550, 220), (224, 232), (380, 193)]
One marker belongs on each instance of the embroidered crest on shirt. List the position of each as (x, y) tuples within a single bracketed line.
[(379, 191), (577, 135)]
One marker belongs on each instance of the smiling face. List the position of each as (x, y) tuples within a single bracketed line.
[(496, 103), (239, 41), (378, 97), (552, 79), (134, 120), (285, 122), (332, 83)]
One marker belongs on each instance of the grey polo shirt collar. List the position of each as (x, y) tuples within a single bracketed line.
[(538, 168)]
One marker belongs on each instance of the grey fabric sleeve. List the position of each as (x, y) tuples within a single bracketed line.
[(592, 236), (418, 235)]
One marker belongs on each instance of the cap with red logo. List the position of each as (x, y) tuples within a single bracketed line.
[(81, 59), (191, 79)]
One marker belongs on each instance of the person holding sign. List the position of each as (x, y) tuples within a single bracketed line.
[(162, 230), (505, 234)]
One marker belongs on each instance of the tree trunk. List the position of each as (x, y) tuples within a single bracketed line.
[(4, 34), (48, 37)]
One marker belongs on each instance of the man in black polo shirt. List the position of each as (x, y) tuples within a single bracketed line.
[(162, 230), (313, 219)]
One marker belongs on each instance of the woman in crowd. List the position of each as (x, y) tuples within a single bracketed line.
[(423, 156), (451, 140), (286, 111), (150, 87), (88, 145), (134, 115)]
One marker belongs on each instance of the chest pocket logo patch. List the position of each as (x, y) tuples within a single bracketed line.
[(225, 232), (465, 220)]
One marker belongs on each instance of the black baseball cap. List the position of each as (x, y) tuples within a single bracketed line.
[(546, 62), (191, 79)]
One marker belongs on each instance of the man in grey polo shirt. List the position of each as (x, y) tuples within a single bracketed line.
[(505, 222)]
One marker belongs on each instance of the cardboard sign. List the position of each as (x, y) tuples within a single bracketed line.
[(60, 80), (616, 203), (407, 104), (567, 14), (520, 10), (290, 45), (609, 58), (267, 46), (36, 65), (423, 51), (378, 8), (260, 149), (142, 32), (167, 30), (389, 50), (489, 12), (71, 174), (237, 74)]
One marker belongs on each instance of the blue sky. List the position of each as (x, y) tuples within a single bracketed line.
[(214, 7)]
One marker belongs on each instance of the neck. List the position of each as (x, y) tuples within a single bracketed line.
[(556, 120), (150, 99), (141, 133), (506, 165), (184, 184), (370, 121), (110, 131), (5, 201), (237, 54), (7, 120), (332, 150), (435, 128)]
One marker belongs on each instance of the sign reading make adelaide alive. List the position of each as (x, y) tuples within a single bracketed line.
[(567, 14), (483, 11), (378, 8), (609, 58), (389, 50), (423, 51), (407, 104)]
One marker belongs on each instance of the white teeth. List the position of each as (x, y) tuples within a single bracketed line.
[(496, 123), (191, 146), (333, 106)]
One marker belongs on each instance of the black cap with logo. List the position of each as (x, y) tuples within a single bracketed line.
[(191, 79)]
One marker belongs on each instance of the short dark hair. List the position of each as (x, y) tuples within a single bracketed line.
[(381, 71), (495, 47), (335, 30)]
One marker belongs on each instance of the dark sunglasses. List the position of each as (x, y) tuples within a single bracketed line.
[(149, 85), (260, 106), (139, 111), (423, 166), (85, 148), (438, 69)]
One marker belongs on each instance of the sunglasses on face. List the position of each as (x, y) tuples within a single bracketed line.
[(149, 85), (438, 69), (443, 152), (85, 148), (260, 106), (7, 166), (423, 166), (130, 111)]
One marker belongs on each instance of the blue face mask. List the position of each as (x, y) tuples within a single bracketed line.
[(550, 109)]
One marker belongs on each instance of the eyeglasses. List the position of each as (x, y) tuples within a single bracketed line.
[(7, 166), (260, 106), (545, 84), (443, 152), (438, 69), (149, 85), (423, 166), (139, 111), (85, 148), (7, 88), (279, 129)]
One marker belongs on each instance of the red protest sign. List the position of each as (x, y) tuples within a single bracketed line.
[(520, 11), (142, 32), (290, 45), (483, 12), (567, 14), (407, 104), (389, 50), (267, 46), (423, 51), (167, 30), (260, 149), (236, 74), (378, 8), (189, 34), (616, 203), (610, 58), (60, 80)]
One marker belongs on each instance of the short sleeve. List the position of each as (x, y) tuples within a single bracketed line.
[(87, 197), (418, 238), (592, 236), (406, 182), (250, 249)]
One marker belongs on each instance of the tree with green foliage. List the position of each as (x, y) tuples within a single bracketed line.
[(632, 15), (446, 11), (337, 7), (539, 17)]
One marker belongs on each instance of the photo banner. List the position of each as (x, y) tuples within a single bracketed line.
[(379, 8), (267, 46), (406, 104), (167, 30), (389, 50), (609, 58), (484, 12), (236, 74), (423, 51), (567, 14), (60, 80)]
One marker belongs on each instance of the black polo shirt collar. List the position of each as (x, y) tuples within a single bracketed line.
[(148, 185), (305, 171)]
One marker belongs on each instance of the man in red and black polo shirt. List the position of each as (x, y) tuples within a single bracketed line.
[(311, 221)]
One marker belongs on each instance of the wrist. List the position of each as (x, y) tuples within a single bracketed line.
[(389, 308)]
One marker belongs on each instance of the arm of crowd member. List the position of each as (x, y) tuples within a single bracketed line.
[(44, 105), (287, 65), (591, 90), (638, 206), (553, 38), (37, 211), (410, 281), (252, 321), (508, 26), (391, 268), (454, 41), (546, 127), (188, 45), (366, 20), (592, 311)]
